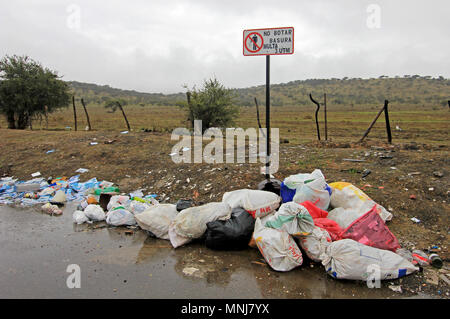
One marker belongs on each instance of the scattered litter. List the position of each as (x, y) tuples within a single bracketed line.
[(59, 198), (445, 279), (438, 174), (431, 189), (392, 167), (352, 236), (396, 288), (420, 258), (185, 149), (412, 196), (124, 132), (258, 263), (28, 187), (51, 209), (366, 172), (414, 219), (50, 151), (94, 143), (414, 173), (189, 271), (436, 261), (398, 128), (431, 277)]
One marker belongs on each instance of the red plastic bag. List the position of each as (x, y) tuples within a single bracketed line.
[(314, 211), (371, 230), (330, 226)]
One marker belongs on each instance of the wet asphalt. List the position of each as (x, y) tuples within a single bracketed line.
[(36, 250)]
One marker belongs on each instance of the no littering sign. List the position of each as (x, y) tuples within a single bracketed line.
[(273, 41)]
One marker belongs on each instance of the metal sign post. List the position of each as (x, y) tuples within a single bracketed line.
[(267, 115), (271, 41)]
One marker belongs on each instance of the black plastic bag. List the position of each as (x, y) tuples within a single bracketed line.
[(184, 203), (231, 234), (270, 185)]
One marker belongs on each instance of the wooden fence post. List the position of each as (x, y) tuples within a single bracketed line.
[(74, 112), (372, 124), (325, 110), (317, 111), (126, 120), (388, 125), (87, 115)]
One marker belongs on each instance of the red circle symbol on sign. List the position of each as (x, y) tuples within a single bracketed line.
[(253, 37)]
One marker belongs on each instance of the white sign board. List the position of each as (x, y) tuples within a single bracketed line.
[(272, 41)]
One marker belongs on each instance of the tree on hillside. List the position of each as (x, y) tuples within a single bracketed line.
[(28, 90), (212, 104)]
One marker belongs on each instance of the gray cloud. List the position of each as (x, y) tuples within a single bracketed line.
[(157, 46)]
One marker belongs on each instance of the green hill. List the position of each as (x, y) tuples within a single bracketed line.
[(409, 90)]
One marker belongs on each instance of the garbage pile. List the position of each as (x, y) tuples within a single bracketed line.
[(334, 224)]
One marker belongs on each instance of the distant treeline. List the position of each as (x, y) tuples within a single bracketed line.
[(411, 90)]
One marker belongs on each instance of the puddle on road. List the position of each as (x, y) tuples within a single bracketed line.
[(37, 248)]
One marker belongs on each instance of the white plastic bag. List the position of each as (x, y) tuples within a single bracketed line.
[(344, 216), (315, 244), (94, 212), (175, 239), (277, 247), (348, 196), (256, 202), (119, 217), (157, 219), (191, 222), (313, 189), (292, 218), (348, 259), (297, 180), (79, 217), (118, 200), (138, 207)]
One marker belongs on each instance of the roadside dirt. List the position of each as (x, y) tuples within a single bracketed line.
[(141, 160)]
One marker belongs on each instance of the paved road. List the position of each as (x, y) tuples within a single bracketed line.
[(36, 250)]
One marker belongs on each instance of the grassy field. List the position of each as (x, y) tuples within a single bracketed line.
[(297, 124)]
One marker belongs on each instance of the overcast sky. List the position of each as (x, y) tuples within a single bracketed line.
[(158, 46)]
